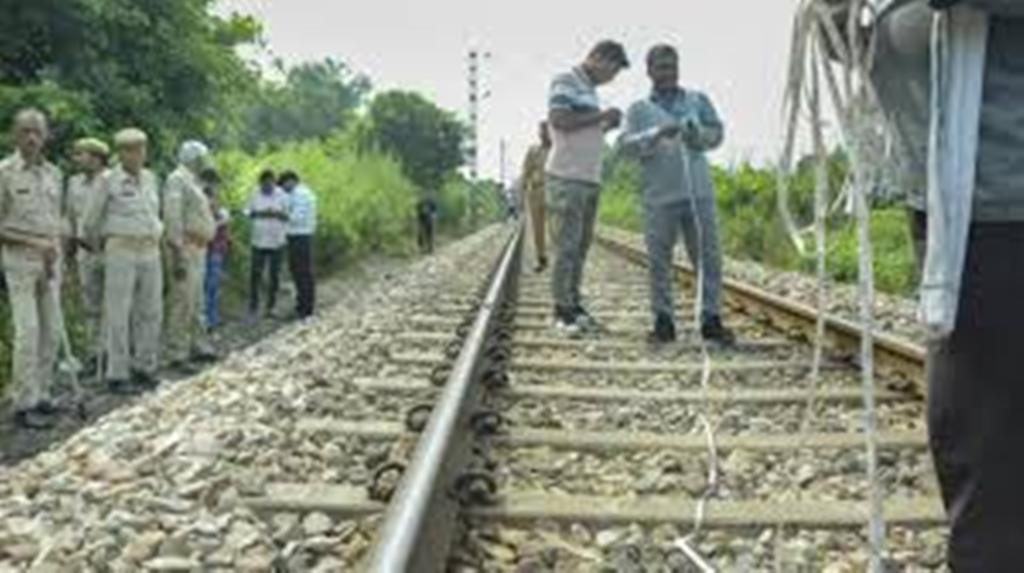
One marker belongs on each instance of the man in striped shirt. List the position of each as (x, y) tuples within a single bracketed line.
[(577, 124)]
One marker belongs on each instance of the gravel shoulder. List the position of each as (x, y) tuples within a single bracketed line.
[(155, 484)]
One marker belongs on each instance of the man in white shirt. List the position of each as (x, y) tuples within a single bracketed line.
[(268, 212), (301, 228)]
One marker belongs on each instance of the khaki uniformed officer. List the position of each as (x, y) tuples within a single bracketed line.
[(190, 228), (124, 216), (90, 156), (30, 229)]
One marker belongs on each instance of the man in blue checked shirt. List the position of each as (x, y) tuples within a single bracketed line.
[(669, 132), (573, 173), (301, 228)]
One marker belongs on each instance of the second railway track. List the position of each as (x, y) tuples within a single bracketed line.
[(532, 452)]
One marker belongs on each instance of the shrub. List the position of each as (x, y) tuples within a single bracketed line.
[(751, 228)]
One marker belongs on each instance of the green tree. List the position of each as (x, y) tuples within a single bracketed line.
[(426, 139), (168, 67), (316, 100)]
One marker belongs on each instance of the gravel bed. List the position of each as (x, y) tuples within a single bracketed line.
[(357, 406), (549, 548), (894, 314), (683, 418), (806, 475), (719, 380), (156, 485), (678, 353)]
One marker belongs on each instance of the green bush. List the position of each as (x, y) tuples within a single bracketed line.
[(751, 229), (891, 248), (364, 204), (620, 197)]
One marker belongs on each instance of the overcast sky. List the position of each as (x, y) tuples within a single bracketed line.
[(735, 50)]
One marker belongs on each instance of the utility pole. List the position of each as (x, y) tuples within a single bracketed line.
[(476, 95)]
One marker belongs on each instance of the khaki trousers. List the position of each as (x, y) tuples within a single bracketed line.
[(133, 306), (34, 298)]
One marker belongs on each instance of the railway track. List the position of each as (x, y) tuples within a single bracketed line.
[(500, 446)]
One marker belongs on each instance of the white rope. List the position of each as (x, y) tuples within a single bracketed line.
[(707, 413), (863, 130), (821, 201)]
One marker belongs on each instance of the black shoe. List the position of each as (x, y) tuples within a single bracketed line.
[(145, 380), (542, 265), (32, 420), (664, 330), (713, 330), (120, 387), (183, 367), (583, 318), (204, 357), (46, 408)]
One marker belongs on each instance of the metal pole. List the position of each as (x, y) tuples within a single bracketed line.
[(472, 152), (472, 158)]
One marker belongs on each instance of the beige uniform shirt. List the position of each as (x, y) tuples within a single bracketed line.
[(125, 206), (30, 198), (80, 190), (186, 210)]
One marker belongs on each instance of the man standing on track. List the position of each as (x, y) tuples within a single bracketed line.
[(91, 157), (190, 228), (426, 217), (30, 231), (532, 185), (123, 218), (669, 132), (578, 125), (301, 229)]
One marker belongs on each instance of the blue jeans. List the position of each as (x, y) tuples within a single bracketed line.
[(211, 286)]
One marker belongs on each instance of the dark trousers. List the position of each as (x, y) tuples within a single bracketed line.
[(425, 236), (976, 405), (300, 265), (264, 259)]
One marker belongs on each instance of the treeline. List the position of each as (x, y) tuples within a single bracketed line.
[(174, 70), (751, 228)]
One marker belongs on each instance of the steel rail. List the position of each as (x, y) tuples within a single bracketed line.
[(420, 521), (893, 356)]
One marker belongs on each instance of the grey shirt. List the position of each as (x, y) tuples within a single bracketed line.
[(674, 169), (902, 79)]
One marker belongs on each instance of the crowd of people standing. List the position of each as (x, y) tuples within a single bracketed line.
[(129, 241)]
